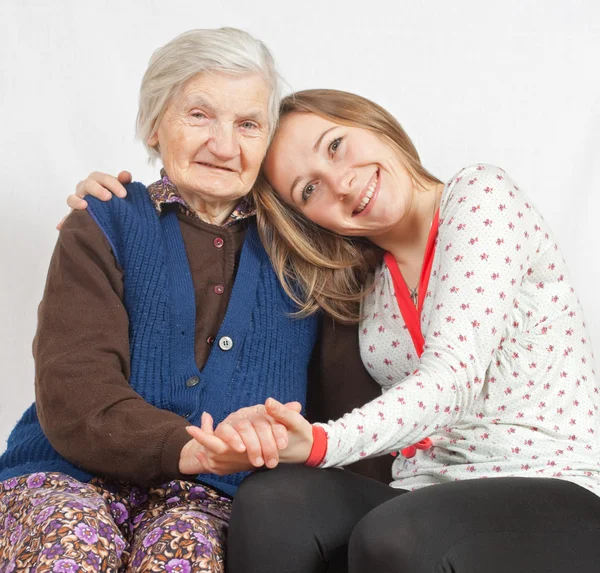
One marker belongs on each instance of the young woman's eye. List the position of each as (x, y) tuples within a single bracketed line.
[(307, 191), (335, 144)]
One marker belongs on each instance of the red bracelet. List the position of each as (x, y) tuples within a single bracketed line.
[(410, 451), (319, 447)]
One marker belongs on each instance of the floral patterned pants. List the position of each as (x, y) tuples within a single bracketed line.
[(50, 522)]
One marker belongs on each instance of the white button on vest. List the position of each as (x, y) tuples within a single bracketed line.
[(225, 343)]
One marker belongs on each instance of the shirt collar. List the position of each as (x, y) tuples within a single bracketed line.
[(163, 192)]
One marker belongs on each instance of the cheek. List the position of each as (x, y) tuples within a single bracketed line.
[(253, 153)]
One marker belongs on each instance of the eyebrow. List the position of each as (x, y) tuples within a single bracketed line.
[(318, 143), (315, 149)]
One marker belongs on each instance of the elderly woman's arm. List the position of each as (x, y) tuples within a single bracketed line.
[(86, 407)]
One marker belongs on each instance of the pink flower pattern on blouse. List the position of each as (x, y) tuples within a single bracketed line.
[(506, 383)]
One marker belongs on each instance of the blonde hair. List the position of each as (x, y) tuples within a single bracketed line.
[(226, 50), (318, 268)]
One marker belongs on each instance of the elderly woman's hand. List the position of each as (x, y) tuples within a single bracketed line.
[(100, 185), (216, 455)]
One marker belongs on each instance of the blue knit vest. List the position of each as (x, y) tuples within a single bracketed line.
[(269, 354)]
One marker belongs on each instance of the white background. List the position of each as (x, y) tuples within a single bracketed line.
[(513, 82)]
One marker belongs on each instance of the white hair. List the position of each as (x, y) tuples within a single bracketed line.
[(227, 50)]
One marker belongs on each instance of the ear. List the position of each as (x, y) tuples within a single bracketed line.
[(153, 140)]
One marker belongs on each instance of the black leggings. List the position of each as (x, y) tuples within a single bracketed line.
[(296, 519)]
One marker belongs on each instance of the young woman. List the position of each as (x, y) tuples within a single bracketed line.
[(469, 323)]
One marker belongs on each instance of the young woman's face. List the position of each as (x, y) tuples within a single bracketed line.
[(346, 179)]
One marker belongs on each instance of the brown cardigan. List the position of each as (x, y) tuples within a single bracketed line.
[(86, 407)]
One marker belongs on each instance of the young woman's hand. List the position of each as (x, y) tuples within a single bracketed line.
[(100, 185), (252, 431), (215, 455), (300, 435)]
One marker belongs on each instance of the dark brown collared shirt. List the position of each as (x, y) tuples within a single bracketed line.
[(87, 408)]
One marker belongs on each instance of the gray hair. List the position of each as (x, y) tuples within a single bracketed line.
[(227, 50)]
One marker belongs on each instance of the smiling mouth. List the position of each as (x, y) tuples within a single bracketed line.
[(213, 166), (368, 195)]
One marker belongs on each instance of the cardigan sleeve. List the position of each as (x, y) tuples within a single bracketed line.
[(85, 405), (485, 240)]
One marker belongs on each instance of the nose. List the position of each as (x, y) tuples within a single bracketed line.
[(224, 142), (344, 184)]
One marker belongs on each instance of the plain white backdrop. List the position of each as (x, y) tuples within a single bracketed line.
[(511, 82)]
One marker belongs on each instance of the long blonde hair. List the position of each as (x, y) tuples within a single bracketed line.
[(318, 268)]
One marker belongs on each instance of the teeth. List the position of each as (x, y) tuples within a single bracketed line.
[(367, 197)]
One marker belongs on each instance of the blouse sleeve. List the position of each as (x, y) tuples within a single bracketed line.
[(484, 243)]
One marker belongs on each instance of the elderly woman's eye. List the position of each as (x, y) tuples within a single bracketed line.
[(198, 115), (307, 191), (249, 125)]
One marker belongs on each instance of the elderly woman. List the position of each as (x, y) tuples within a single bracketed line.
[(157, 308)]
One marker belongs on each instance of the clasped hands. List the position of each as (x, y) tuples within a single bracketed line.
[(262, 435)]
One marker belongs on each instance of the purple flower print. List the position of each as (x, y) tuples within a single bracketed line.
[(53, 551), (105, 531), (38, 501), (197, 492), (16, 535), (203, 545), (10, 567), (44, 514), (182, 526), (173, 499), (138, 496), (119, 512), (152, 537), (93, 561), (10, 484), (65, 566), (120, 545), (10, 520), (54, 524), (36, 480), (86, 533), (178, 566), (137, 560)]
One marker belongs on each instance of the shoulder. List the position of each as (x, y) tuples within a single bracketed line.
[(81, 239), (480, 186)]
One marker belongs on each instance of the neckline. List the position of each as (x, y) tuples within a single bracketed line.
[(410, 313)]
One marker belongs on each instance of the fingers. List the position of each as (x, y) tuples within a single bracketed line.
[(208, 440), (288, 417), (268, 445), (206, 423), (124, 177), (90, 187), (228, 434), (100, 185), (280, 433), (252, 442), (61, 222), (295, 406), (77, 203)]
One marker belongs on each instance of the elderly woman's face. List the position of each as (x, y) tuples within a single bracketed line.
[(346, 179), (214, 134)]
